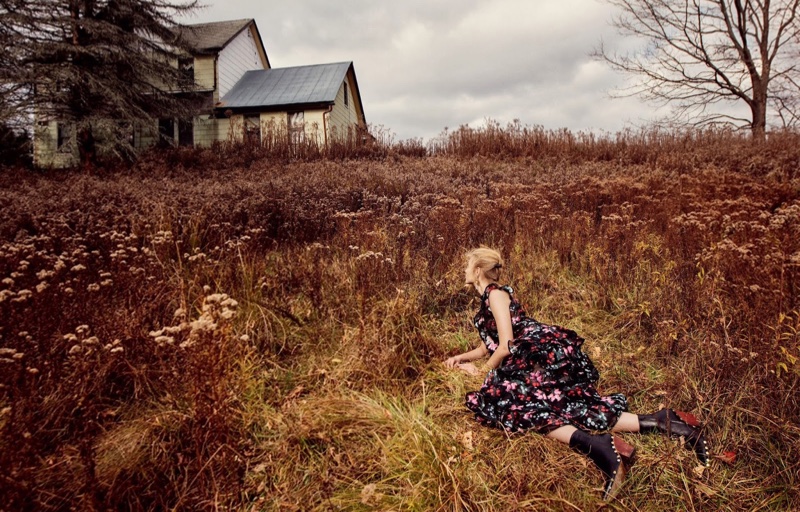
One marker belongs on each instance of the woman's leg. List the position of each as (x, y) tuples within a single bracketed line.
[(627, 422), (562, 434)]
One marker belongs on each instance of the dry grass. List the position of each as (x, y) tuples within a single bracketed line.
[(266, 334)]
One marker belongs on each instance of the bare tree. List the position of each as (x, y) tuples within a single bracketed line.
[(701, 54), (97, 64)]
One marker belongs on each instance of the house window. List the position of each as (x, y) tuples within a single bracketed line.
[(297, 127), (63, 137), (166, 131), (346, 99), (252, 129), (185, 132), (186, 69)]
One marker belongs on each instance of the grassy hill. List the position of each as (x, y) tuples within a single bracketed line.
[(221, 330)]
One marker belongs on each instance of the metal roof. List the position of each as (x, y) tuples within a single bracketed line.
[(209, 37), (287, 86)]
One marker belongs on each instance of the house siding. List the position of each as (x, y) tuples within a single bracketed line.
[(343, 116), (204, 75), (274, 125), (315, 126), (205, 131), (238, 56), (46, 152), (145, 134)]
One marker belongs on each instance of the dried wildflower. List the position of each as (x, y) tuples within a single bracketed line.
[(81, 329), (22, 296), (204, 323), (42, 287), (33, 371), (8, 281), (78, 268), (44, 274), (76, 349), (164, 340), (93, 287)]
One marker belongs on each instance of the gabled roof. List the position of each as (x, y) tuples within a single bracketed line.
[(316, 84), (211, 37)]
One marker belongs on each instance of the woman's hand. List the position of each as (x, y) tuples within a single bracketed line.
[(469, 368), (452, 362)]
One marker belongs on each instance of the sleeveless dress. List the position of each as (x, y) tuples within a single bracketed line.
[(544, 383)]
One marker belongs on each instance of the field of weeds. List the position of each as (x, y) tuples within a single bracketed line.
[(210, 331)]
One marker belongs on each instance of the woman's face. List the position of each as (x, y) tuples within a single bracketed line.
[(470, 273)]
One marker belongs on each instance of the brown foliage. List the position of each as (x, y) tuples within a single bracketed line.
[(129, 379)]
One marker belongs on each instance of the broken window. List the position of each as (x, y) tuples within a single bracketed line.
[(64, 137), (185, 132), (186, 69), (252, 129), (297, 127), (166, 131)]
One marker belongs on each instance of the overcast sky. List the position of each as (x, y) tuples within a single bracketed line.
[(423, 65)]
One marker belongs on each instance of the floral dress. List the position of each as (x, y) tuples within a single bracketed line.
[(544, 383)]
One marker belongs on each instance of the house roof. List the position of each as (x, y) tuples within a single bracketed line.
[(211, 37), (315, 84)]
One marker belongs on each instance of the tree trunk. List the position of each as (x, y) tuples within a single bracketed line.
[(759, 126), (758, 108)]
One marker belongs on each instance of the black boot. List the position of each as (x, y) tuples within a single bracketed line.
[(603, 452), (677, 424)]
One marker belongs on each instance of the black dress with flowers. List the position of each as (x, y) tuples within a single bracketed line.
[(544, 383)]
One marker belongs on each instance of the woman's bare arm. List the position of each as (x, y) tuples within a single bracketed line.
[(499, 302), (476, 353)]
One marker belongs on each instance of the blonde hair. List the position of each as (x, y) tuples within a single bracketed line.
[(487, 260)]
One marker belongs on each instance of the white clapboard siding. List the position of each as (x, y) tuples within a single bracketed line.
[(205, 131), (344, 115), (204, 72), (46, 152), (238, 56)]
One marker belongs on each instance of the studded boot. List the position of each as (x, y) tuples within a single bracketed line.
[(604, 450), (677, 424)]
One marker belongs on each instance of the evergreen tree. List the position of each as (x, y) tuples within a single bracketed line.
[(100, 65)]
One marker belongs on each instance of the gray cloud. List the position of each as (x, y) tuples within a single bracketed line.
[(423, 65)]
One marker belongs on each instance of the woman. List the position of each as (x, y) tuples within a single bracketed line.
[(539, 379)]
